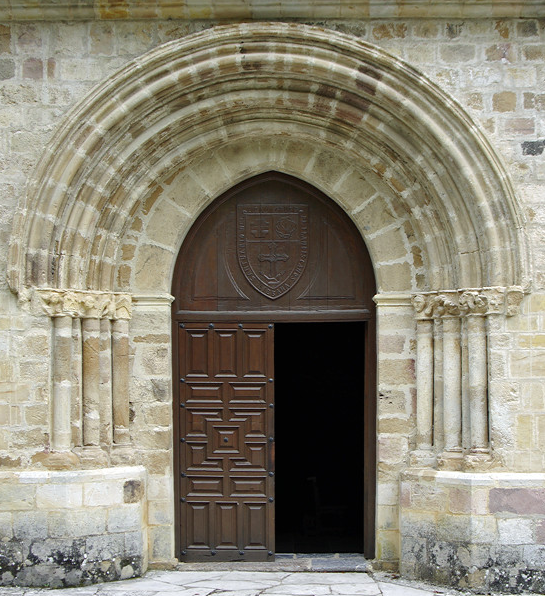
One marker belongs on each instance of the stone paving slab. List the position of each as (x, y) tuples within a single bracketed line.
[(241, 582)]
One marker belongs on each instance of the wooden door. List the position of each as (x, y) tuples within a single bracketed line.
[(226, 490), (272, 249)]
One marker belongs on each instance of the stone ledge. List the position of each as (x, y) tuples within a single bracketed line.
[(73, 10)]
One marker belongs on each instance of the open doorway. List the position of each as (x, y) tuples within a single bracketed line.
[(319, 411)]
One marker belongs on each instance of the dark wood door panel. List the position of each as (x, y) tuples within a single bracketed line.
[(226, 441), (274, 244)]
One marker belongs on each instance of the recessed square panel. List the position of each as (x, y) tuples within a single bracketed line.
[(225, 439)]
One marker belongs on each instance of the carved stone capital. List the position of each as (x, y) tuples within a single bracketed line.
[(123, 306), (446, 305), (513, 298), (504, 301), (422, 306), (434, 305), (85, 304), (473, 302), (467, 302)]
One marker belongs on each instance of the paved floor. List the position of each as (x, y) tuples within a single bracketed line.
[(245, 583)]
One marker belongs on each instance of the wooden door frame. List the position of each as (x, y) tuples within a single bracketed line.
[(360, 309)]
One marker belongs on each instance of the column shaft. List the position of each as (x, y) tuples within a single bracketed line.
[(62, 384), (438, 406), (452, 384), (120, 380), (106, 413), (91, 381), (424, 384), (478, 382)]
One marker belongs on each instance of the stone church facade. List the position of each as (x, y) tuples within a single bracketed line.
[(122, 122)]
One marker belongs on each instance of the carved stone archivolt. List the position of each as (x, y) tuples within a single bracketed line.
[(452, 373)]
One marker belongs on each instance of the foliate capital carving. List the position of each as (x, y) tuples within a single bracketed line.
[(466, 302), (85, 304)]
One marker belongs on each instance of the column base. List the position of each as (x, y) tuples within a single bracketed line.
[(122, 455), (423, 458), (57, 460), (478, 460), (92, 456), (451, 459)]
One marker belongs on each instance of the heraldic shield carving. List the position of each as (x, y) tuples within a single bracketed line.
[(272, 246)]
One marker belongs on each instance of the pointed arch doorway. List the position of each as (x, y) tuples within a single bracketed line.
[(274, 361)]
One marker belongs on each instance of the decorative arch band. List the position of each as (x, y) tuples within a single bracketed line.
[(192, 95)]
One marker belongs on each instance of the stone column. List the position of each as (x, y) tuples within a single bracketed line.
[(105, 383), (91, 381), (475, 305), (91, 353), (120, 378), (61, 432), (423, 455), (438, 409), (448, 309)]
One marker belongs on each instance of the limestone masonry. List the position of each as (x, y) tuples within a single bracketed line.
[(121, 121)]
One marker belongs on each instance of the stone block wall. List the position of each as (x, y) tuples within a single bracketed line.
[(494, 68), (469, 530), (517, 414), (72, 527)]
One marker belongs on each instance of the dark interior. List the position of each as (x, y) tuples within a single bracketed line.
[(319, 437)]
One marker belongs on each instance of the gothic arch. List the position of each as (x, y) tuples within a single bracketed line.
[(313, 103)]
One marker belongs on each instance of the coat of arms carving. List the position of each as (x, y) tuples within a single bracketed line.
[(272, 246)]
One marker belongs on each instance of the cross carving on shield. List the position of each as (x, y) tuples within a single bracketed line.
[(272, 246)]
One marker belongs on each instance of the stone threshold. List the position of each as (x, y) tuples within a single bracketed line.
[(291, 562)]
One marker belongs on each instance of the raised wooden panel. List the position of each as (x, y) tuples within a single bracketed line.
[(254, 354), (255, 526), (227, 525), (204, 486), (226, 353), (198, 524), (197, 354)]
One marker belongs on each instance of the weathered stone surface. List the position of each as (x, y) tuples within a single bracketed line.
[(518, 500)]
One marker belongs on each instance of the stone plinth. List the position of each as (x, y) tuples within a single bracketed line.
[(474, 531), (67, 528)]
